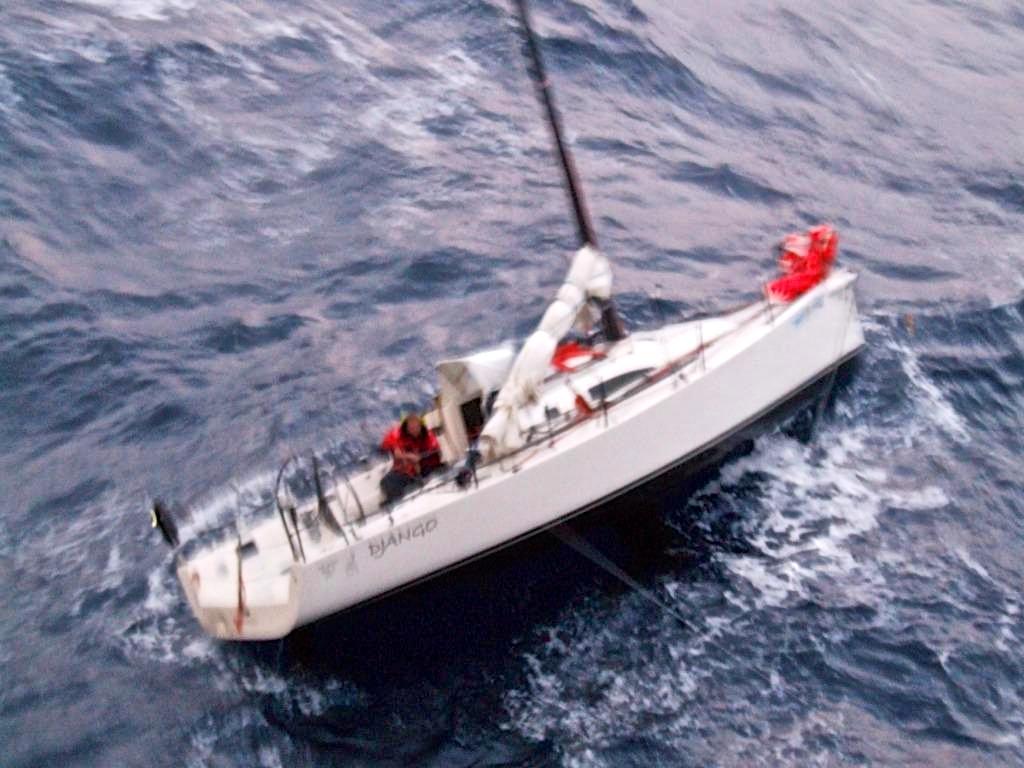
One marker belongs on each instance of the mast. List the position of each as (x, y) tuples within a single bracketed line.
[(611, 322)]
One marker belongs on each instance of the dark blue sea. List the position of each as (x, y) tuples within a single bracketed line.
[(235, 229)]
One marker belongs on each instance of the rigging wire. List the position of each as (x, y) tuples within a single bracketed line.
[(572, 539), (591, 553)]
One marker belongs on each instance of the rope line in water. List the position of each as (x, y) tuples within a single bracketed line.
[(591, 553), (572, 539)]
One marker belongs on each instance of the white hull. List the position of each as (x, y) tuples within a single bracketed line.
[(754, 359)]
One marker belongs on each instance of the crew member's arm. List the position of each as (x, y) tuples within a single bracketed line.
[(410, 456), (392, 444)]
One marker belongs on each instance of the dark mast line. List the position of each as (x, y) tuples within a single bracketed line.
[(614, 329), (540, 79)]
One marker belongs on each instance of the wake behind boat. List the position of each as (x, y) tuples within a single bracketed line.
[(534, 437)]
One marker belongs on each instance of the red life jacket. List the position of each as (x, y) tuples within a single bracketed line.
[(425, 445), (805, 262)]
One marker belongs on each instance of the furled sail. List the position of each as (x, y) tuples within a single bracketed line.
[(589, 277)]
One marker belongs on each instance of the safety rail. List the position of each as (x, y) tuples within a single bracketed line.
[(344, 497), (300, 526)]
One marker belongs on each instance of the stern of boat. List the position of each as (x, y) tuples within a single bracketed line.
[(263, 609)]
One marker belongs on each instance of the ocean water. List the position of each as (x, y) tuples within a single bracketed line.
[(233, 230)]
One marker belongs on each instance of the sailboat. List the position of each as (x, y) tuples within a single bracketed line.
[(533, 437)]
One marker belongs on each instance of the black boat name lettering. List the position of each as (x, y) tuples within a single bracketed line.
[(401, 535)]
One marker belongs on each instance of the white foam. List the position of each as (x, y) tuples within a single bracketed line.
[(817, 499), (260, 680), (270, 757), (144, 10), (161, 596), (344, 52), (277, 27), (312, 701), (152, 630), (403, 110), (10, 100), (203, 743), (810, 521), (227, 503), (974, 565), (158, 636), (202, 647), (1008, 642), (934, 405), (583, 699), (205, 739), (113, 573)]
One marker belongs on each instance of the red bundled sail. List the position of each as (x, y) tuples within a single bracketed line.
[(805, 261), (570, 355)]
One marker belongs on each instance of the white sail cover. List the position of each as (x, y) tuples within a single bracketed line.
[(476, 374), (589, 277)]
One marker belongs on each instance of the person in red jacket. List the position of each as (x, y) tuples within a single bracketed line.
[(415, 454)]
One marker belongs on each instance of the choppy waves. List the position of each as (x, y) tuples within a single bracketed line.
[(877, 611), (231, 231)]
